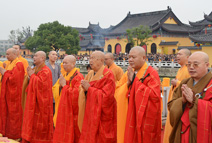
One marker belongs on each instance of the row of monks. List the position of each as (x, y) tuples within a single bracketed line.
[(107, 106)]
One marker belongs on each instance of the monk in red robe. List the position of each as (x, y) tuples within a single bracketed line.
[(138, 102), (11, 112), (191, 105), (67, 130), (99, 124), (38, 114)]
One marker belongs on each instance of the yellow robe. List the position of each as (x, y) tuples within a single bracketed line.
[(122, 102), (117, 71), (181, 74), (7, 64), (62, 71), (57, 93), (25, 63), (1, 65)]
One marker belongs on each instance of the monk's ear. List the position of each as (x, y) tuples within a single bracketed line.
[(207, 64), (144, 57)]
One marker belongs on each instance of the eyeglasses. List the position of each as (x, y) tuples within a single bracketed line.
[(195, 65)]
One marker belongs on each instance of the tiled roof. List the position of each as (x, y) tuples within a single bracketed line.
[(202, 38), (189, 47), (181, 28), (206, 21), (168, 43)]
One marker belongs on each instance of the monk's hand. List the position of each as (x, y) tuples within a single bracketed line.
[(2, 70), (30, 71), (62, 81), (4, 65), (85, 85), (174, 82), (130, 74), (187, 93)]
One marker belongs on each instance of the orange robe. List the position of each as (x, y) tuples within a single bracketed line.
[(57, 94), (62, 71), (25, 63), (117, 71), (38, 114), (139, 120), (181, 74), (1, 65), (10, 101), (99, 124), (67, 130)]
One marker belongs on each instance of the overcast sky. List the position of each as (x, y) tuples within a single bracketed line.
[(16, 14)]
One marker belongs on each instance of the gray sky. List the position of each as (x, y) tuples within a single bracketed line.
[(16, 14)]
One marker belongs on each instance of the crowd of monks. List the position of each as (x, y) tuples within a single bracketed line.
[(57, 104)]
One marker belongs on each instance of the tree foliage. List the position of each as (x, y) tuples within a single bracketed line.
[(54, 36), (19, 36), (139, 35)]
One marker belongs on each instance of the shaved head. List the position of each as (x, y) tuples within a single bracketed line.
[(198, 64), (201, 56), (139, 49), (187, 52), (69, 63), (109, 55), (97, 60), (11, 54), (39, 58), (52, 52), (137, 57), (70, 58)]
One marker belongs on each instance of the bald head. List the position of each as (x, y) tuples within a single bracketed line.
[(139, 49), (97, 60), (69, 63), (70, 58), (11, 54), (186, 51), (198, 64), (109, 59), (137, 57), (39, 58)]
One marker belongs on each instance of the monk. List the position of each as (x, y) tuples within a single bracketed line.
[(11, 113), (70, 71), (138, 102), (99, 124), (117, 71), (23, 60), (38, 114), (191, 105), (67, 130), (182, 59)]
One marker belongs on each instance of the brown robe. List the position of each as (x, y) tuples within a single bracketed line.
[(176, 109)]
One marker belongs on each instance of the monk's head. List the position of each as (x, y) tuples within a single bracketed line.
[(198, 64), (109, 59), (39, 58), (69, 63), (137, 57), (182, 56), (52, 56), (97, 60), (17, 47), (11, 54)]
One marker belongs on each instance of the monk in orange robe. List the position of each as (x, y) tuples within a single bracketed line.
[(67, 130), (23, 60), (117, 71), (99, 124), (182, 59), (138, 102), (38, 115), (191, 105), (10, 100)]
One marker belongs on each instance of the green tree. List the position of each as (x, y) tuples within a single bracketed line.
[(139, 35), (54, 36)]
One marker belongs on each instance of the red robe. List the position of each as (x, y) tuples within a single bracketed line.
[(38, 114), (11, 113), (67, 130), (143, 123), (100, 119)]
